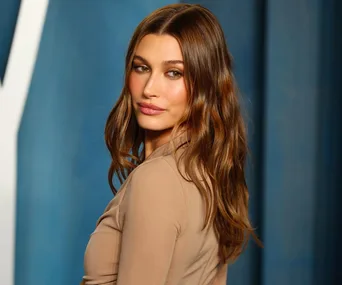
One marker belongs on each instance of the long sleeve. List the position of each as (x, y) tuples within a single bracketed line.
[(154, 218)]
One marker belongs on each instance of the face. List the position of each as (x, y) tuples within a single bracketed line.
[(156, 83)]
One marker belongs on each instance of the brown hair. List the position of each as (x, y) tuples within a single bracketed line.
[(213, 121)]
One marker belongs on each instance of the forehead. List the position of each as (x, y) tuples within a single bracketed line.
[(159, 47)]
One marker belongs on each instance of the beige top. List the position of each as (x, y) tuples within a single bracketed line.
[(150, 233)]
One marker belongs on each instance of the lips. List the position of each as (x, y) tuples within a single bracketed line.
[(150, 106), (150, 109)]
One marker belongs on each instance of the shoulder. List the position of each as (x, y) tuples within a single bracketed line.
[(162, 164), (160, 173), (155, 187)]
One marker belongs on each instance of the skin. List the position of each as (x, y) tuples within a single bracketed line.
[(157, 78)]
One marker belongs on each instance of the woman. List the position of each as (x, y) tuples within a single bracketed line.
[(178, 145)]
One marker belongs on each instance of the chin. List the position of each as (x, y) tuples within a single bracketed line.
[(154, 128), (152, 125)]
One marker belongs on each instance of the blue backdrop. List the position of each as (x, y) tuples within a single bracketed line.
[(288, 65)]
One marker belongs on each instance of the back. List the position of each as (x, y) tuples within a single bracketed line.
[(151, 232)]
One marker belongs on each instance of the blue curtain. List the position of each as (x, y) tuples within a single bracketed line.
[(62, 159), (8, 16), (288, 64)]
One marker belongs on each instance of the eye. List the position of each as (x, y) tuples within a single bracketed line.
[(174, 74), (140, 68)]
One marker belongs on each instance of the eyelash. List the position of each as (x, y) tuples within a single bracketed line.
[(143, 69), (138, 68), (178, 74)]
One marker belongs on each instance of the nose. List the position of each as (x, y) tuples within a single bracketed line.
[(152, 87)]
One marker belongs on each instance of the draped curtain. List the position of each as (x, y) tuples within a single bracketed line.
[(288, 65)]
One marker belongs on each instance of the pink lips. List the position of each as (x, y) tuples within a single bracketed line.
[(150, 109)]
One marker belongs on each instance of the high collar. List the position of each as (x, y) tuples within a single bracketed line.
[(169, 147)]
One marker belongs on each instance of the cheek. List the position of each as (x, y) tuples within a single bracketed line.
[(178, 95), (135, 85)]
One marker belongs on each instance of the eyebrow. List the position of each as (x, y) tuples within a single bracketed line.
[(166, 62)]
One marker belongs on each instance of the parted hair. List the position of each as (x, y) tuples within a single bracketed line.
[(216, 150)]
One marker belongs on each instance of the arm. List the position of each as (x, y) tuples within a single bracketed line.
[(154, 217)]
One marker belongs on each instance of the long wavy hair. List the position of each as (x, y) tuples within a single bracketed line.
[(214, 157)]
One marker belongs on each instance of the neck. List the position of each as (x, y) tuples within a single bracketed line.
[(155, 139)]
